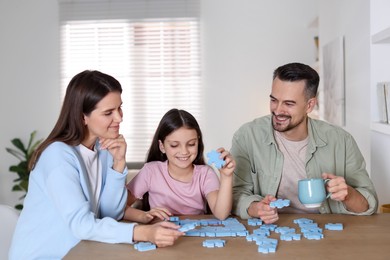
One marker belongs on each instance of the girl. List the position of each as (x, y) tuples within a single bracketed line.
[(77, 183), (175, 176)]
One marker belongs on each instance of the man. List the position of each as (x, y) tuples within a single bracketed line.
[(273, 152)]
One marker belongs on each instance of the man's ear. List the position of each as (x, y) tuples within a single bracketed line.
[(161, 146), (311, 104)]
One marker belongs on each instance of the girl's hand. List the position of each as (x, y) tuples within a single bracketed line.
[(230, 163), (117, 148), (160, 213)]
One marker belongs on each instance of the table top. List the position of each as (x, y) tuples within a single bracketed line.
[(363, 237)]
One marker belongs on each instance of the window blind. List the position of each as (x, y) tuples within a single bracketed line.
[(151, 47)]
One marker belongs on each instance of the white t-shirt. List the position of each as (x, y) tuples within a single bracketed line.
[(294, 154), (94, 171)]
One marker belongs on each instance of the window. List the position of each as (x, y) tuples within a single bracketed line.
[(156, 60)]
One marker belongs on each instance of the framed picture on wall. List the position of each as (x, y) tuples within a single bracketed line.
[(334, 85), (383, 90)]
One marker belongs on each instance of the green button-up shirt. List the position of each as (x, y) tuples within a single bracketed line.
[(259, 164)]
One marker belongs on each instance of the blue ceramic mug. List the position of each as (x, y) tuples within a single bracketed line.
[(312, 192)]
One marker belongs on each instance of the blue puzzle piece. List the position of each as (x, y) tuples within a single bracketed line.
[(265, 249), (284, 230), (262, 231), (266, 241), (187, 227), (144, 246), (255, 237), (211, 243), (270, 227), (279, 203), (290, 236), (214, 159), (314, 229), (334, 226), (308, 225), (313, 235), (174, 219), (303, 221), (254, 222)]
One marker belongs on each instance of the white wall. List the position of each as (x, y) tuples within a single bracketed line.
[(338, 18), (380, 64), (243, 42), (29, 69)]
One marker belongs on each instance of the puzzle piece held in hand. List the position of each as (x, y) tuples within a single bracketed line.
[(187, 227), (279, 203), (214, 159)]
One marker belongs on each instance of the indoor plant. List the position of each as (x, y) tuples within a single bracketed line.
[(23, 153)]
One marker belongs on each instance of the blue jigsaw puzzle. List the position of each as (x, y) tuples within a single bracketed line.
[(231, 227), (214, 159)]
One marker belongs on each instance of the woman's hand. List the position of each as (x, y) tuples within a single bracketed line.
[(117, 147), (161, 234)]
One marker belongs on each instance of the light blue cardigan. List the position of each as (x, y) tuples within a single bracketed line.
[(57, 209)]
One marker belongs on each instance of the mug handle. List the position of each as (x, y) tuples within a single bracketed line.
[(327, 193)]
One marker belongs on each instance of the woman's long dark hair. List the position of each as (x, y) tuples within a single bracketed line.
[(84, 91), (171, 121)]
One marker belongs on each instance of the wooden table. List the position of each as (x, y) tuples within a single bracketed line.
[(363, 237)]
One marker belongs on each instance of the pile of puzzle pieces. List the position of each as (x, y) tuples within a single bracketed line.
[(308, 228), (231, 227)]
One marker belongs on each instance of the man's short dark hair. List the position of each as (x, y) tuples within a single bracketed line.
[(297, 72)]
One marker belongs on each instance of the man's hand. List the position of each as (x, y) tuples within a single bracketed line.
[(263, 211), (340, 191)]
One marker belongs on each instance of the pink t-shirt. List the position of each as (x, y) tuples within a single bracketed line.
[(180, 198)]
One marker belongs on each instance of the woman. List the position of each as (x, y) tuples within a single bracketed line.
[(77, 183)]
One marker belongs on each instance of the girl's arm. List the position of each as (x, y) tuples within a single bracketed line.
[(220, 201), (134, 214), (137, 215)]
